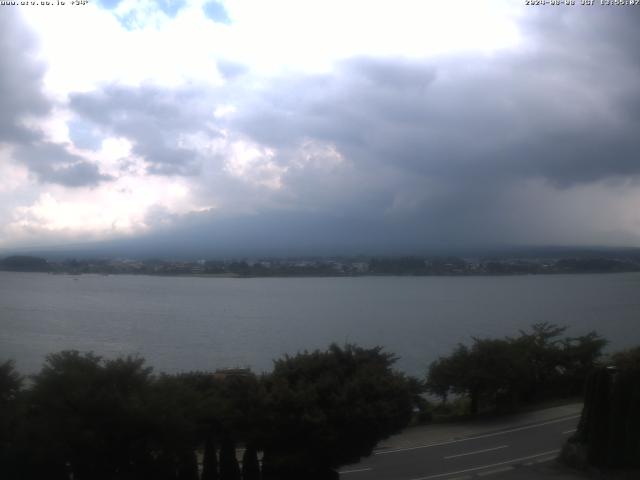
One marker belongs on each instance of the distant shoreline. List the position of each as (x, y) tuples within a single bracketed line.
[(325, 267), (363, 275)]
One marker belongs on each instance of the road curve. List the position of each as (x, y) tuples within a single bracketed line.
[(474, 456)]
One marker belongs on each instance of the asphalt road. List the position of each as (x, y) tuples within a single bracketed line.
[(469, 457)]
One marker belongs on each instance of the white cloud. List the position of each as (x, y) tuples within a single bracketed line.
[(117, 209), (252, 163), (86, 47), (311, 36)]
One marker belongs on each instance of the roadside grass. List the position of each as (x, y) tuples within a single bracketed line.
[(456, 410)]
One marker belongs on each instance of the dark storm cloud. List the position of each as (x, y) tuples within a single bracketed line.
[(210, 234), (53, 164), (156, 120), (434, 151), (444, 145), (395, 74), (351, 106), (20, 80), (568, 118)]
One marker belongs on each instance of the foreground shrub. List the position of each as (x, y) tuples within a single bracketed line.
[(608, 434), (500, 374)]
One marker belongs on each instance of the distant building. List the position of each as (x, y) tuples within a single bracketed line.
[(224, 373), (360, 267)]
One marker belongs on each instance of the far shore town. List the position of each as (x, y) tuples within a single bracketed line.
[(327, 266)]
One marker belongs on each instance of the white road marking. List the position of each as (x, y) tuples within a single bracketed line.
[(356, 471), (487, 435), (567, 432), (483, 467), (496, 470), (543, 460), (477, 451)]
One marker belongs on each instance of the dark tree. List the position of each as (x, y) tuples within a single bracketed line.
[(188, 466), (23, 263), (250, 464), (229, 469), (608, 434), (627, 360), (446, 374), (239, 403), (90, 415), (88, 418), (579, 356), (486, 372), (10, 383), (210, 460), (501, 373), (174, 408), (10, 418), (330, 408)]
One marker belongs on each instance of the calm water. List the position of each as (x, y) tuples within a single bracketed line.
[(206, 323)]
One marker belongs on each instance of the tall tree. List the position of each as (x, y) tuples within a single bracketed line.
[(188, 465), (250, 464), (499, 373), (229, 468), (330, 408), (210, 460), (10, 418), (609, 428), (90, 415)]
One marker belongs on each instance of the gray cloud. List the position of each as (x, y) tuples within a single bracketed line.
[(20, 97), (21, 79), (512, 116), (445, 146), (80, 174), (154, 119), (433, 151), (52, 163)]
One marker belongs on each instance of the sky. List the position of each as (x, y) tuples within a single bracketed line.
[(318, 126)]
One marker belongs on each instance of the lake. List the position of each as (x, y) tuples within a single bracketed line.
[(188, 323)]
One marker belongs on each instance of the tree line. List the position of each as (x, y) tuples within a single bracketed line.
[(504, 373), (85, 417)]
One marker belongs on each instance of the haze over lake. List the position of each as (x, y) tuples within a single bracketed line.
[(188, 323)]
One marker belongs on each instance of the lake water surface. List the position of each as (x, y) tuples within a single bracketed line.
[(187, 323)]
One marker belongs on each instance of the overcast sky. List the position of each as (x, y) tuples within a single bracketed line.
[(319, 124)]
